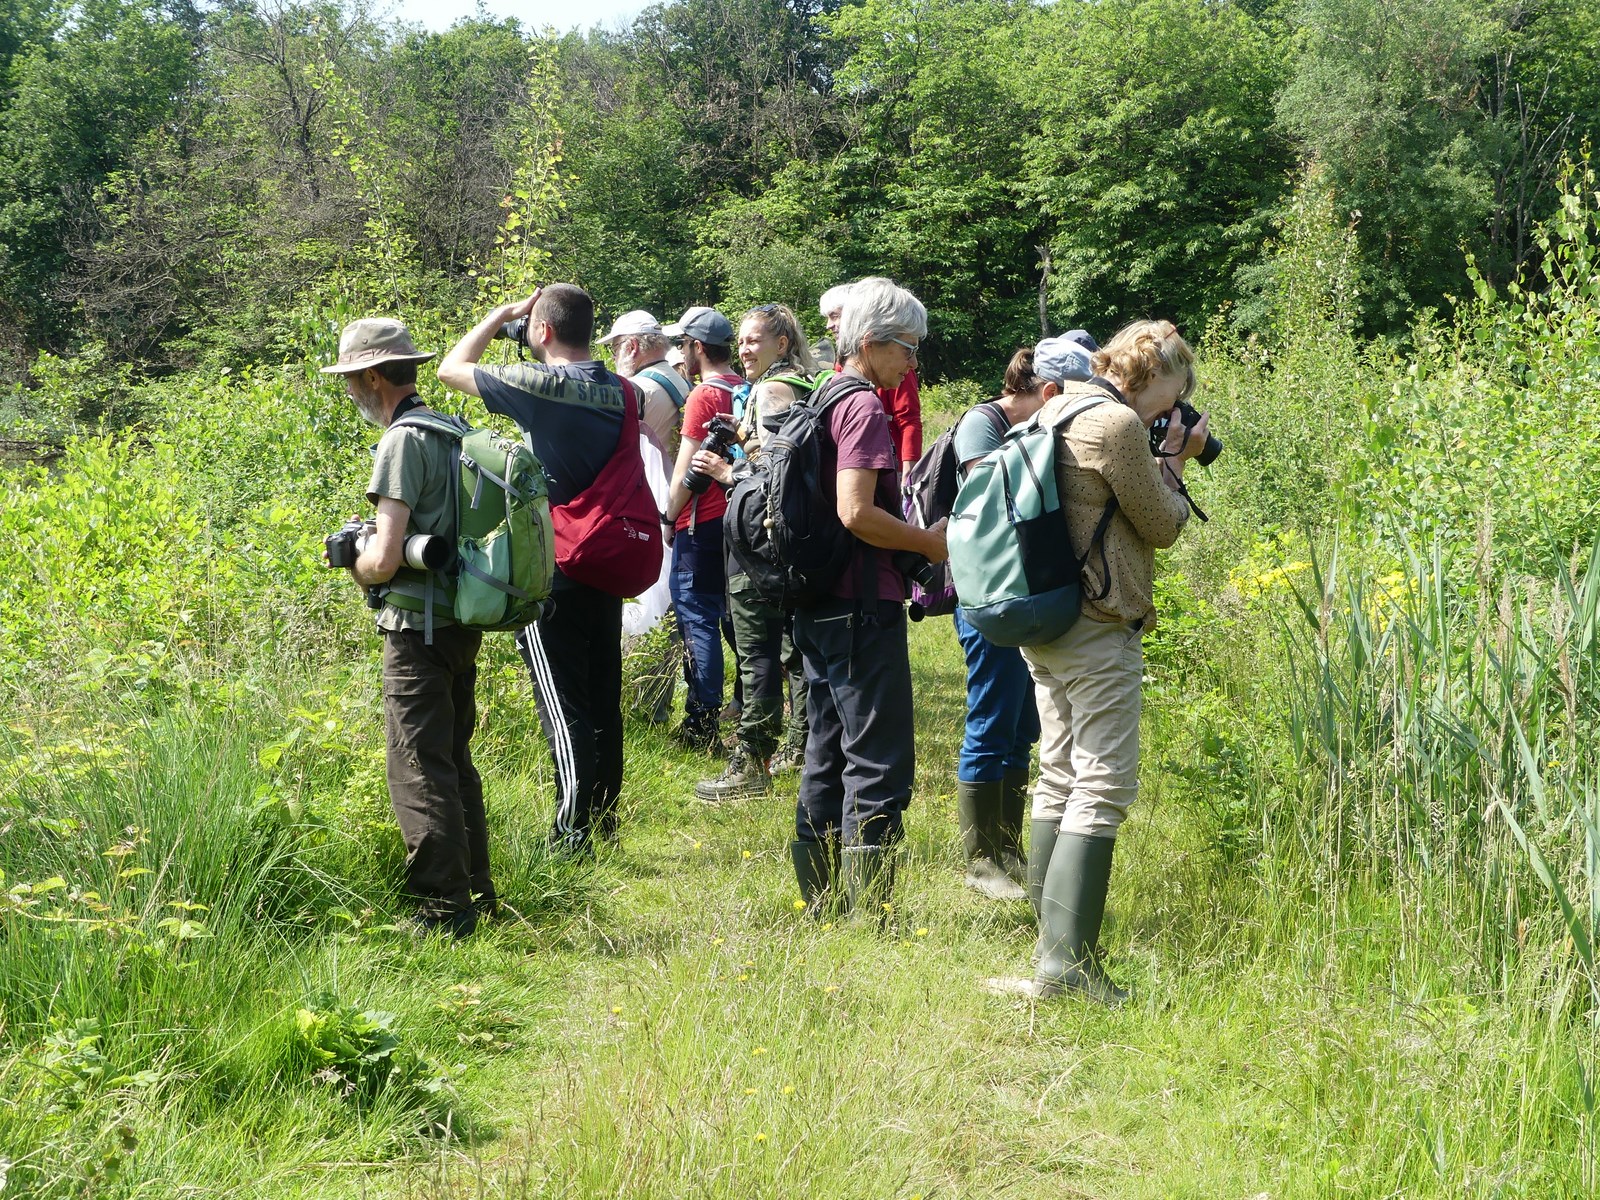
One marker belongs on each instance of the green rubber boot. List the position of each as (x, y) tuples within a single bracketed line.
[(1013, 804), (816, 868), (868, 873), (1072, 909), (978, 810), (1041, 844)]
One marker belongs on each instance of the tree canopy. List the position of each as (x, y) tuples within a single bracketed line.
[(172, 173)]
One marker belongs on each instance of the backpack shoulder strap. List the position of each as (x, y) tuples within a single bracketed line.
[(1082, 404), (674, 383), (440, 423)]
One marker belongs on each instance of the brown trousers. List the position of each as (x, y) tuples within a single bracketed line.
[(429, 712)]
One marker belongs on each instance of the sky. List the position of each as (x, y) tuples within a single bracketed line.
[(563, 14)]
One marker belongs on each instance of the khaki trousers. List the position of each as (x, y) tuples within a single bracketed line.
[(1087, 684)]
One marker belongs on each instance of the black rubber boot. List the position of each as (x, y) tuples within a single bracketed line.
[(1072, 909), (816, 866), (978, 810), (1013, 804), (868, 873)]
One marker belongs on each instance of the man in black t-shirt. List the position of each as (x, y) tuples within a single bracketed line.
[(570, 408)]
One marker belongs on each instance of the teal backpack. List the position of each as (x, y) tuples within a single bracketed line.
[(500, 575), (1011, 559)]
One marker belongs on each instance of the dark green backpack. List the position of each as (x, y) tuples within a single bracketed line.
[(504, 563)]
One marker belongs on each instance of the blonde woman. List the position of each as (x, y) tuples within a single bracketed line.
[(1087, 681)]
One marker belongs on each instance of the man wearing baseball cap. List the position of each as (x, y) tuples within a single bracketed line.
[(429, 684), (699, 575), (639, 350)]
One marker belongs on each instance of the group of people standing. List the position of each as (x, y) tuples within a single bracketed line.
[(846, 658)]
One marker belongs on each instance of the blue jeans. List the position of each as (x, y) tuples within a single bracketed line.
[(699, 594), (1002, 718)]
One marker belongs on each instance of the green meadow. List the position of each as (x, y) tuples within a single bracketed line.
[(1356, 903)]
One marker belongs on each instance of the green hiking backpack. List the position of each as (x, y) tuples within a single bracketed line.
[(1011, 559), (500, 574)]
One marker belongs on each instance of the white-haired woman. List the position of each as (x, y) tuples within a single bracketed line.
[(859, 761), (1087, 681), (903, 401)]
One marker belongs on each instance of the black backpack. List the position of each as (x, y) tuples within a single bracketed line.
[(781, 528), (929, 494)]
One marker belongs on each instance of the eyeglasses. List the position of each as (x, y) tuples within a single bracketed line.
[(909, 347)]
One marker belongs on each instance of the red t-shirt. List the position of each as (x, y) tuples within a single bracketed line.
[(705, 402), (905, 416), (858, 433)]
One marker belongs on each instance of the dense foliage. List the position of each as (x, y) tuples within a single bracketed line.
[(172, 172)]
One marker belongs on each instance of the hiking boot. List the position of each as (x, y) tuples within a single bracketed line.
[(789, 760), (453, 925), (744, 779), (696, 736), (978, 809)]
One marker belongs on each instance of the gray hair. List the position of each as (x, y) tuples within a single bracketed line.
[(649, 343), (878, 310), (833, 299)]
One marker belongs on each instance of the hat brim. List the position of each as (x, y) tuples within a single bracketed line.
[(352, 368)]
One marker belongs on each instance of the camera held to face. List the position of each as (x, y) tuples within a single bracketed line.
[(722, 435), (515, 332), (1191, 418), (423, 551)]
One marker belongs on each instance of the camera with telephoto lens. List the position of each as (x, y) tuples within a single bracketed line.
[(919, 570), (515, 332), (722, 435), (423, 551), (1191, 418)]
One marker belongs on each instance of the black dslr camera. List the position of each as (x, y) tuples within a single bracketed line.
[(346, 543), (1191, 418), (722, 435), (515, 332), (918, 570)]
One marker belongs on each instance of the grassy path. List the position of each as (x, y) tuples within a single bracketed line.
[(687, 1033)]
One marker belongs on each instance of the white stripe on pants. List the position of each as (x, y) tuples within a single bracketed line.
[(1087, 685)]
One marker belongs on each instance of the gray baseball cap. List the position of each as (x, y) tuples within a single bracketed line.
[(373, 340), (1059, 359), (703, 325)]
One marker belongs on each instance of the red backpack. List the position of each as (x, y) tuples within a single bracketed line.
[(608, 536)]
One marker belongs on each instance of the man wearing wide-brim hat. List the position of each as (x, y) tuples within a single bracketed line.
[(429, 674)]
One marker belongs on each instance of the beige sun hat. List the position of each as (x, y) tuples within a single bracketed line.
[(373, 340)]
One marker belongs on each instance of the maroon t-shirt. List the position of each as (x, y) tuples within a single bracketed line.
[(859, 439)]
